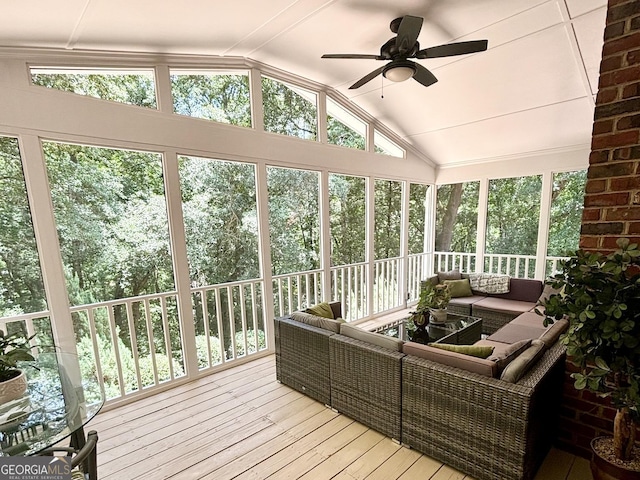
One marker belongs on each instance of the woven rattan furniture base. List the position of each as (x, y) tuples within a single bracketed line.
[(302, 358), (487, 428), (366, 384)]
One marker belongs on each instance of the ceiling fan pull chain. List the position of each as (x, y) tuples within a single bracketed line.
[(381, 87)]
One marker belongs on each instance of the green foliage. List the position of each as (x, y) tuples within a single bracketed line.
[(129, 88), (340, 134), (600, 295), (251, 342), (14, 348), (219, 97), (294, 219), (513, 215), (457, 217), (110, 367), (347, 212), (418, 196), (433, 296), (567, 202), (388, 218), (202, 349), (220, 219), (288, 112), (21, 287)]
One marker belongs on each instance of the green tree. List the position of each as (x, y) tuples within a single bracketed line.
[(388, 217), (347, 212), (567, 201), (513, 215), (288, 112), (220, 97), (134, 89), (457, 217), (21, 286)]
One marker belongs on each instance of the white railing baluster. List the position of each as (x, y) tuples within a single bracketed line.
[(232, 323), (134, 342), (93, 333), (204, 308), (166, 333), (152, 347), (243, 319), (223, 356), (116, 350)]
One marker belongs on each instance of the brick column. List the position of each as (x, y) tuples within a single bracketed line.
[(612, 199)]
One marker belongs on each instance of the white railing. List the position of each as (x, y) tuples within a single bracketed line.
[(553, 265), (36, 325), (296, 291), (517, 266), (447, 261), (229, 320), (386, 292), (153, 352), (349, 287), (417, 271)]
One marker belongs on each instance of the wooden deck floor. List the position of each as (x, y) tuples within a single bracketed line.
[(241, 423)]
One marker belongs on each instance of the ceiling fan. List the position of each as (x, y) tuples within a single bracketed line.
[(405, 45)]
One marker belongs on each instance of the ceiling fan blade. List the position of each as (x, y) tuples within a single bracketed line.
[(351, 55), (367, 78), (424, 76), (408, 33), (452, 49)]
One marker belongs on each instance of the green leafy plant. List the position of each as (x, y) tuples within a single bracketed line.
[(600, 296), (431, 296), (13, 349)]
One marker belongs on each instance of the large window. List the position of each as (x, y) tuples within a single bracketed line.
[(135, 87), (567, 202), (218, 96), (419, 214), (344, 128), (110, 211), (294, 228), (385, 146), (289, 110), (347, 212), (294, 219), (21, 287), (221, 227), (512, 224), (457, 217), (388, 218)]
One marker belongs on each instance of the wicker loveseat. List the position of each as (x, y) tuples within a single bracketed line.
[(487, 427)]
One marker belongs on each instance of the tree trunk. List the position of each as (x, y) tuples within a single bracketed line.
[(443, 242), (624, 434)]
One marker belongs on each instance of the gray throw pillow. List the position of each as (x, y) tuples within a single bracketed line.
[(523, 363), (452, 275), (320, 322), (505, 357)]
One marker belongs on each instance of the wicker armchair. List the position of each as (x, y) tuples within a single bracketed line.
[(366, 384), (487, 428)]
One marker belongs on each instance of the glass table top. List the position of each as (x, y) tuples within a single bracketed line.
[(58, 402), (405, 329)]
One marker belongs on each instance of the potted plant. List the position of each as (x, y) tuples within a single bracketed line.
[(600, 296), (13, 349), (432, 303)]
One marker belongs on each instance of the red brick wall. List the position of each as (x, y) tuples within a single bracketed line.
[(612, 200)]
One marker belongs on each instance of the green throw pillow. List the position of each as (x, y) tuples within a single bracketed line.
[(459, 288), (321, 310), (480, 351)]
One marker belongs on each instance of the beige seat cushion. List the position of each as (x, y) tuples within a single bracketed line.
[(504, 305), (524, 362), (466, 300), (452, 359), (512, 333), (378, 339), (553, 332)]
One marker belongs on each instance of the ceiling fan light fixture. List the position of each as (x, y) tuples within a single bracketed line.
[(399, 73)]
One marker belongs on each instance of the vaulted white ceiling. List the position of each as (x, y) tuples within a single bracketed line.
[(531, 91)]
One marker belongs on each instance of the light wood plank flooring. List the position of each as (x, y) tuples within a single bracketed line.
[(241, 423)]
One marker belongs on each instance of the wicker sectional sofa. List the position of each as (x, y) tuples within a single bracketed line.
[(486, 427)]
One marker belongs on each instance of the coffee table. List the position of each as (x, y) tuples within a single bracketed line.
[(457, 330)]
